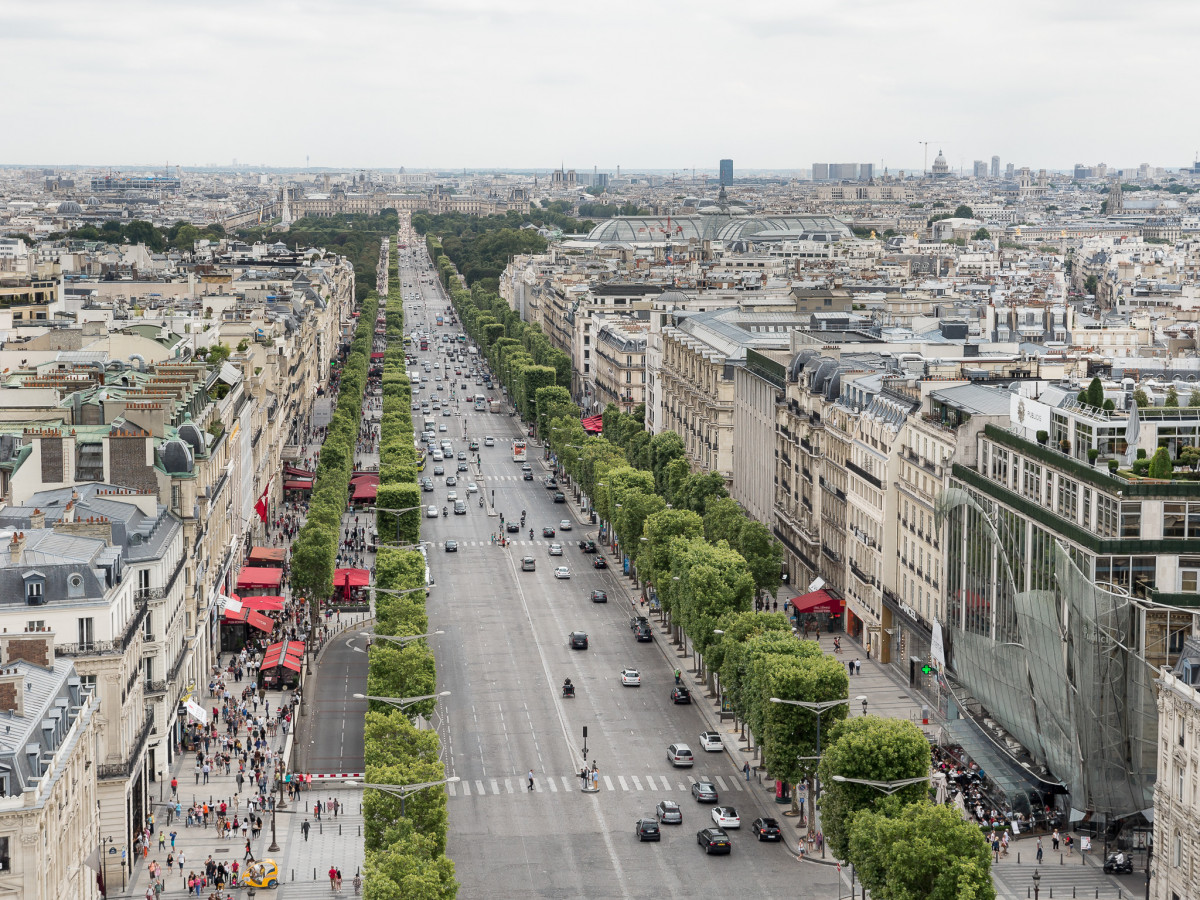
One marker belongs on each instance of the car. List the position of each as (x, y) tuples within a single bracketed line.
[(549, 482), (680, 755), (631, 678), (711, 741), (451, 481), (766, 829), (451, 546), (439, 470), (442, 425), (473, 446), (446, 411), (726, 817), (462, 454), (431, 512), (668, 812), (644, 633), (704, 792), (547, 532), (512, 527), (427, 484), (528, 564), (635, 621), (526, 467), (713, 840), (472, 487), (599, 563), (416, 406), (489, 441), (587, 546), (599, 597), (577, 640), (556, 549), (646, 830), (680, 694), (527, 476), (460, 507), (462, 467), (559, 497), (562, 572)]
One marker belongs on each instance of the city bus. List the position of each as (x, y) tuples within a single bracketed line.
[(480, 403), (519, 451), (424, 344)]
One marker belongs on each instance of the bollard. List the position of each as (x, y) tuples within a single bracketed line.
[(1060, 859), (1051, 893), (1072, 893), (339, 829), (314, 874), (1018, 857)]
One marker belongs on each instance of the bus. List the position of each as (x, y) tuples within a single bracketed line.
[(439, 320), (424, 344), (480, 403), (519, 451)]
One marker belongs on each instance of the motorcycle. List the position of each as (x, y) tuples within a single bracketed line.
[(1118, 864), (568, 691), (445, 512)]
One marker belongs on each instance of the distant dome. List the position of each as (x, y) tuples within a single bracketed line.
[(93, 201), (69, 208), (176, 456)]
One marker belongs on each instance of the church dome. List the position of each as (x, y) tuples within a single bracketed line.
[(69, 208)]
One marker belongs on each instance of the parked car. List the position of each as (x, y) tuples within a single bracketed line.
[(559, 497), (680, 694)]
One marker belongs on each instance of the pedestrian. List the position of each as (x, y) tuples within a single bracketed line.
[(339, 878), (304, 829), (857, 666), (1070, 842), (531, 779), (174, 788), (1054, 839), (333, 877), (746, 770), (850, 665), (317, 810), (173, 836), (162, 840), (1039, 850), (197, 772)]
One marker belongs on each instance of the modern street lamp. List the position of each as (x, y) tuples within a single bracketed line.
[(818, 707), (395, 593), (399, 640), (401, 702), (397, 513), (886, 787), (403, 791)]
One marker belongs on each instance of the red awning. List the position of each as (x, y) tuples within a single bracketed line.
[(259, 555), (259, 576), (351, 578), (593, 424), (297, 485), (238, 615), (376, 356), (259, 621), (263, 604), (289, 654), (365, 492), (297, 472), (818, 602)]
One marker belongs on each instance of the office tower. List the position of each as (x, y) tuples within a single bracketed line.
[(1008, 172), (843, 171), (601, 180), (995, 167), (866, 171), (980, 169), (820, 172), (726, 172)]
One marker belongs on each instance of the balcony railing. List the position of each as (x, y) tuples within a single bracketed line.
[(155, 687), (125, 769), (177, 665), (118, 646)]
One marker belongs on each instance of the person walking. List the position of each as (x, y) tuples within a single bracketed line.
[(304, 829), (1054, 839), (174, 788), (333, 878), (531, 779), (1039, 850), (746, 770), (857, 666)]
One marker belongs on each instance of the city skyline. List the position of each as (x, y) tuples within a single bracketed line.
[(160, 60)]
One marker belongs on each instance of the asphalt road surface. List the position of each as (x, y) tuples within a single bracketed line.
[(504, 656)]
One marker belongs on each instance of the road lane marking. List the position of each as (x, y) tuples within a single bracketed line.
[(553, 787), (566, 784), (466, 788), (495, 785), (608, 783), (508, 785), (451, 787), (721, 783), (637, 784), (624, 786)]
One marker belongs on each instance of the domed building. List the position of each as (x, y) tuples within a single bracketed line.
[(69, 208), (940, 168)]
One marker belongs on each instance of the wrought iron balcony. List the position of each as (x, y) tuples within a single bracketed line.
[(125, 769)]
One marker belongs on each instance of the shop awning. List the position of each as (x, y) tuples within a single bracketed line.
[(817, 602), (267, 555), (297, 472), (297, 485), (351, 578), (236, 615), (376, 356), (258, 620), (259, 577), (263, 604), (289, 654), (593, 424), (365, 487)]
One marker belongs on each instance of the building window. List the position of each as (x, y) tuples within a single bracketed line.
[(87, 632), (1000, 465), (35, 624), (1032, 483), (1189, 574), (1068, 499), (1131, 520), (1106, 517), (34, 595)]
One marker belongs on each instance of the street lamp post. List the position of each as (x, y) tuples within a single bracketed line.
[(398, 640), (403, 791), (397, 513), (818, 707), (886, 787), (1037, 883), (401, 702)]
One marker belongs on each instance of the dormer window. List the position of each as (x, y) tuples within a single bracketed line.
[(74, 585), (35, 588)]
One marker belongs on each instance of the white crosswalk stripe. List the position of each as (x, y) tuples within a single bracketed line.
[(608, 783), (451, 788), (553, 787), (508, 785), (721, 783), (621, 779), (479, 787), (466, 786), (626, 783), (637, 782), (495, 786)]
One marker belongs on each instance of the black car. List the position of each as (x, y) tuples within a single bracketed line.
[(668, 812), (713, 840), (600, 563), (646, 830), (439, 470), (680, 694), (587, 546), (644, 633), (635, 621), (451, 546), (704, 792), (577, 640), (766, 829), (527, 476), (599, 597), (512, 527), (559, 497), (547, 532)]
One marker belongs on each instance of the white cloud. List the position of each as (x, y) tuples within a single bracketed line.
[(642, 84)]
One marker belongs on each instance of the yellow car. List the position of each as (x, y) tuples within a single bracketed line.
[(262, 874)]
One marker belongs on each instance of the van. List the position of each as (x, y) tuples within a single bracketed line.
[(680, 755)]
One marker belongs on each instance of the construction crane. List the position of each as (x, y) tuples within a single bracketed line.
[(926, 144)]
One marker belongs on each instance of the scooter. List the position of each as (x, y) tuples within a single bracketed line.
[(1118, 864), (569, 691)]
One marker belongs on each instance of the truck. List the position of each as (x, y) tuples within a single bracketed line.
[(494, 406)]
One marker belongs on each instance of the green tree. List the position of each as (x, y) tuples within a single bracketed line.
[(920, 852), (697, 489), (1141, 399), (313, 555), (723, 520), (872, 748), (982, 234), (1160, 464), (1172, 400), (1095, 394), (962, 211), (1194, 398), (1091, 285), (713, 581), (409, 870), (218, 354), (664, 447)]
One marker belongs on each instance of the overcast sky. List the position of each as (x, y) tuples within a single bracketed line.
[(645, 84)]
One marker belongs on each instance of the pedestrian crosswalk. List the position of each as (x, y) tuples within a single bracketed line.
[(553, 784), (518, 542)]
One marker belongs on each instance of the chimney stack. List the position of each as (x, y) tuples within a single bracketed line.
[(38, 519), (12, 692), (16, 547)]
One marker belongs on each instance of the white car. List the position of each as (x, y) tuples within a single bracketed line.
[(489, 441), (442, 426), (711, 740), (556, 549), (564, 525), (431, 512), (472, 487), (726, 817), (631, 677), (451, 496), (562, 572)]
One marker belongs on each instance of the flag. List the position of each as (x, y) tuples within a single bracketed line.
[(197, 711), (261, 506)]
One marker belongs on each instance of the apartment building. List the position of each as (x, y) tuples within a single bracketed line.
[(49, 819), (620, 362), (1175, 863)]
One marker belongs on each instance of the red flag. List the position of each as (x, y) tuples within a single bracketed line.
[(261, 506)]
